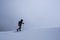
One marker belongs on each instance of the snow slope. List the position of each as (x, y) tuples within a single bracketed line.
[(33, 34)]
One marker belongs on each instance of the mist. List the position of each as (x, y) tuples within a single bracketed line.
[(36, 14)]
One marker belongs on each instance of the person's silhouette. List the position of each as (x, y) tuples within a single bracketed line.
[(20, 24)]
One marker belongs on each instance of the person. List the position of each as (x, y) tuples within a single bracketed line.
[(20, 24)]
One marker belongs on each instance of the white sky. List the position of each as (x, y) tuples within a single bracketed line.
[(36, 13)]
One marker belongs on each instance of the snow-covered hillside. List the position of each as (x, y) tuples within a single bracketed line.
[(32, 34)]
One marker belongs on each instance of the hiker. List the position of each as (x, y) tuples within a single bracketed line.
[(20, 24)]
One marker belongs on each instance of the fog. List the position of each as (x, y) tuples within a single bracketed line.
[(36, 14)]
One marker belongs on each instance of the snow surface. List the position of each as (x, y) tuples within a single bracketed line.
[(32, 34)]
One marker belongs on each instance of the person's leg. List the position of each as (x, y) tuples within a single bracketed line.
[(20, 28), (17, 29)]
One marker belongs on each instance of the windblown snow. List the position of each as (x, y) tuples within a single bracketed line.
[(33, 34)]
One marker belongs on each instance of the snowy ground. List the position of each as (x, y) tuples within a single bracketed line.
[(33, 34)]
